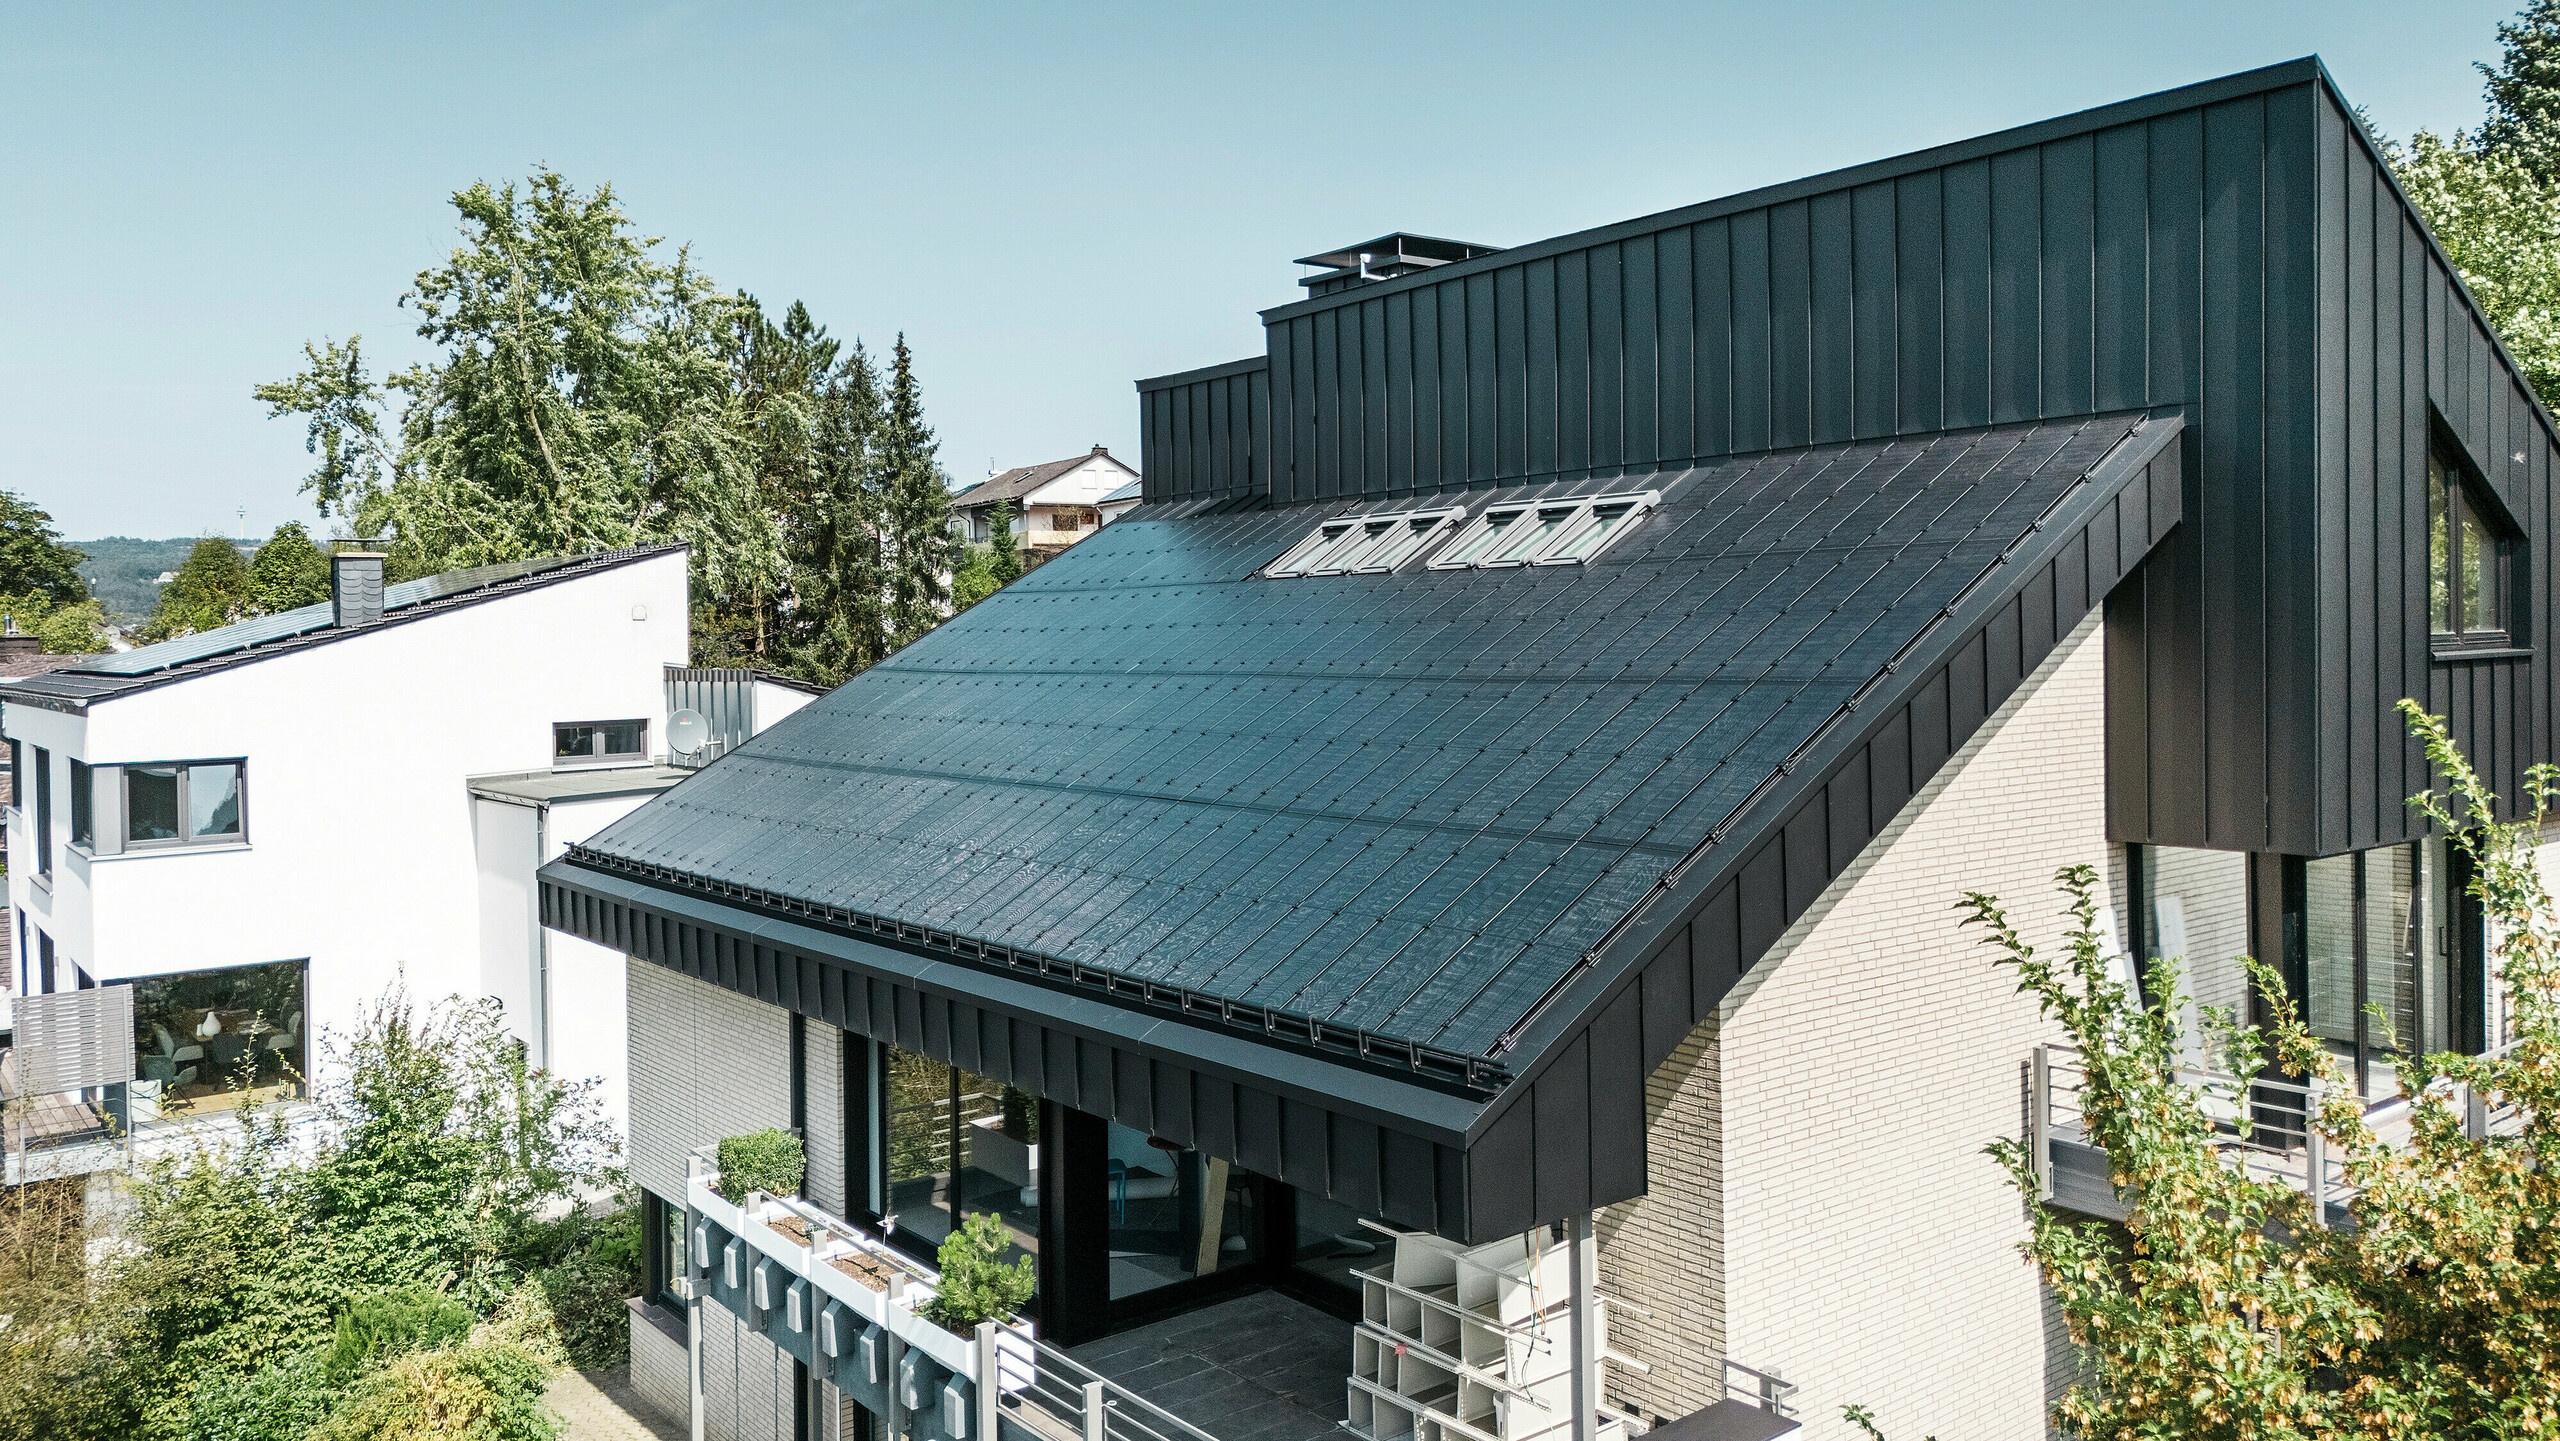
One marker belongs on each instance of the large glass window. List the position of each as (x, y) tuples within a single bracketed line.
[(2196, 912), (955, 1144), (184, 804), (1331, 1242), (44, 812), (1175, 1213), (2467, 560), (206, 1042), (2362, 957)]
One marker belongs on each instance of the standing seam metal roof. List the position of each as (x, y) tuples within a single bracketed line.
[(1404, 805)]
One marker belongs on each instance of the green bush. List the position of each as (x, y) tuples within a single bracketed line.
[(977, 1284), (385, 1325), (281, 1403), (487, 1387), (769, 1160)]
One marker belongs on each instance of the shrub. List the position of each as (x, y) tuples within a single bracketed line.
[(281, 1403), (977, 1284), (769, 1160), (385, 1325), (487, 1387)]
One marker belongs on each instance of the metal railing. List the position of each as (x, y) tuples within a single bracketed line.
[(2262, 1126)]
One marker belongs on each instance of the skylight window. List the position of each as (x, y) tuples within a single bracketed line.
[(1364, 544), (1545, 532)]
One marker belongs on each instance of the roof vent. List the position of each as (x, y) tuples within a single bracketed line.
[(1385, 258), (355, 588)]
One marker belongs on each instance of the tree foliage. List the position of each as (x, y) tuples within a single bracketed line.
[(2224, 1307), (2493, 197), (211, 589), (263, 1282), (33, 559), (288, 572), (589, 392)]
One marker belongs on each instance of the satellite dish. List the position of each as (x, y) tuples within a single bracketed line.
[(687, 732)]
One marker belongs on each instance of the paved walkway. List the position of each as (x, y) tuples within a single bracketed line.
[(1261, 1367), (601, 1406)]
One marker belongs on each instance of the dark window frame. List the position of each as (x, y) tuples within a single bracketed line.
[(44, 814), (84, 806), (601, 757), (2455, 492), (185, 770)]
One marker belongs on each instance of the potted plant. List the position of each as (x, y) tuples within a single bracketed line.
[(977, 1284), (771, 1160)]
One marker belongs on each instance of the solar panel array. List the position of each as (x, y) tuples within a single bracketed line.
[(267, 629), (1403, 803)]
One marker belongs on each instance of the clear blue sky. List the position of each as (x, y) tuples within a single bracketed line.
[(1049, 199)]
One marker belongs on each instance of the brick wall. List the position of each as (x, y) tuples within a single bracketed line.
[(1820, 1204), (825, 1096), (705, 1063), (657, 1367)]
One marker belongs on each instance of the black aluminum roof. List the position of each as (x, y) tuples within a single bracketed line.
[(1400, 807), (98, 678)]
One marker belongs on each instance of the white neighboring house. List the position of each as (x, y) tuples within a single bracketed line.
[(261, 828), (1122, 501), (1055, 504), (564, 995)]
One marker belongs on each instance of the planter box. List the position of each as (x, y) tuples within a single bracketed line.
[(1016, 1363)]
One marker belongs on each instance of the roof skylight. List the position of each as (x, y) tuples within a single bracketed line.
[(1364, 544), (1567, 531)]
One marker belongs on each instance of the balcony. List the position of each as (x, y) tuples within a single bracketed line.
[(2275, 1144), (1455, 1343), (826, 1292)]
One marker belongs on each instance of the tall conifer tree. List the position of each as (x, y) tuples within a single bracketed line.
[(917, 500)]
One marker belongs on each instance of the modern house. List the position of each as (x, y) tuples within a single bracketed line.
[(1508, 786), (1054, 505), (233, 841)]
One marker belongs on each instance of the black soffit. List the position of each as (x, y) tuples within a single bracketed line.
[(1393, 822)]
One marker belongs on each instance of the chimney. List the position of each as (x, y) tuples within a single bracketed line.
[(1385, 258), (355, 588), (14, 642)]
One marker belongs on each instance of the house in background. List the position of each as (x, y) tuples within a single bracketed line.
[(1054, 505), (244, 836), (1122, 501), (1509, 782)]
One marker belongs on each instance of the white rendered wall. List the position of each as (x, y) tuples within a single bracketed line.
[(585, 1008), (773, 702), (1870, 1248), (359, 851)]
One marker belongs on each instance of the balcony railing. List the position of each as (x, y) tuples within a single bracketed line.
[(826, 1291), (2261, 1128)]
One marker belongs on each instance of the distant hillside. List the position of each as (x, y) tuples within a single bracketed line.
[(124, 573)]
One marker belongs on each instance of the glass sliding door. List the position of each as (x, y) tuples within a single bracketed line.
[(955, 1144), (1174, 1214)]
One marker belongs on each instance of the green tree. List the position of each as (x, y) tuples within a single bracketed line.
[(76, 629), (1004, 555), (2524, 92), (583, 399), (838, 545), (288, 572), (916, 510), (33, 559), (2225, 1306), (211, 589)]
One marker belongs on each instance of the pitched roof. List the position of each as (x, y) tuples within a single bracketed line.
[(1401, 805), (90, 679), (1022, 480), (38, 663), (1131, 491)]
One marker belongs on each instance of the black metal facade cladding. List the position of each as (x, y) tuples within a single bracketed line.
[(2235, 251), (1304, 842)]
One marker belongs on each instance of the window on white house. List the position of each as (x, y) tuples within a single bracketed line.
[(44, 812), (1569, 531), (84, 826), (184, 803), (599, 742)]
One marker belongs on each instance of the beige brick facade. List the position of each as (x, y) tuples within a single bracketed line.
[(1820, 1205)]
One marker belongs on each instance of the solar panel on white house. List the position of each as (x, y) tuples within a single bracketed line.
[(205, 644)]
